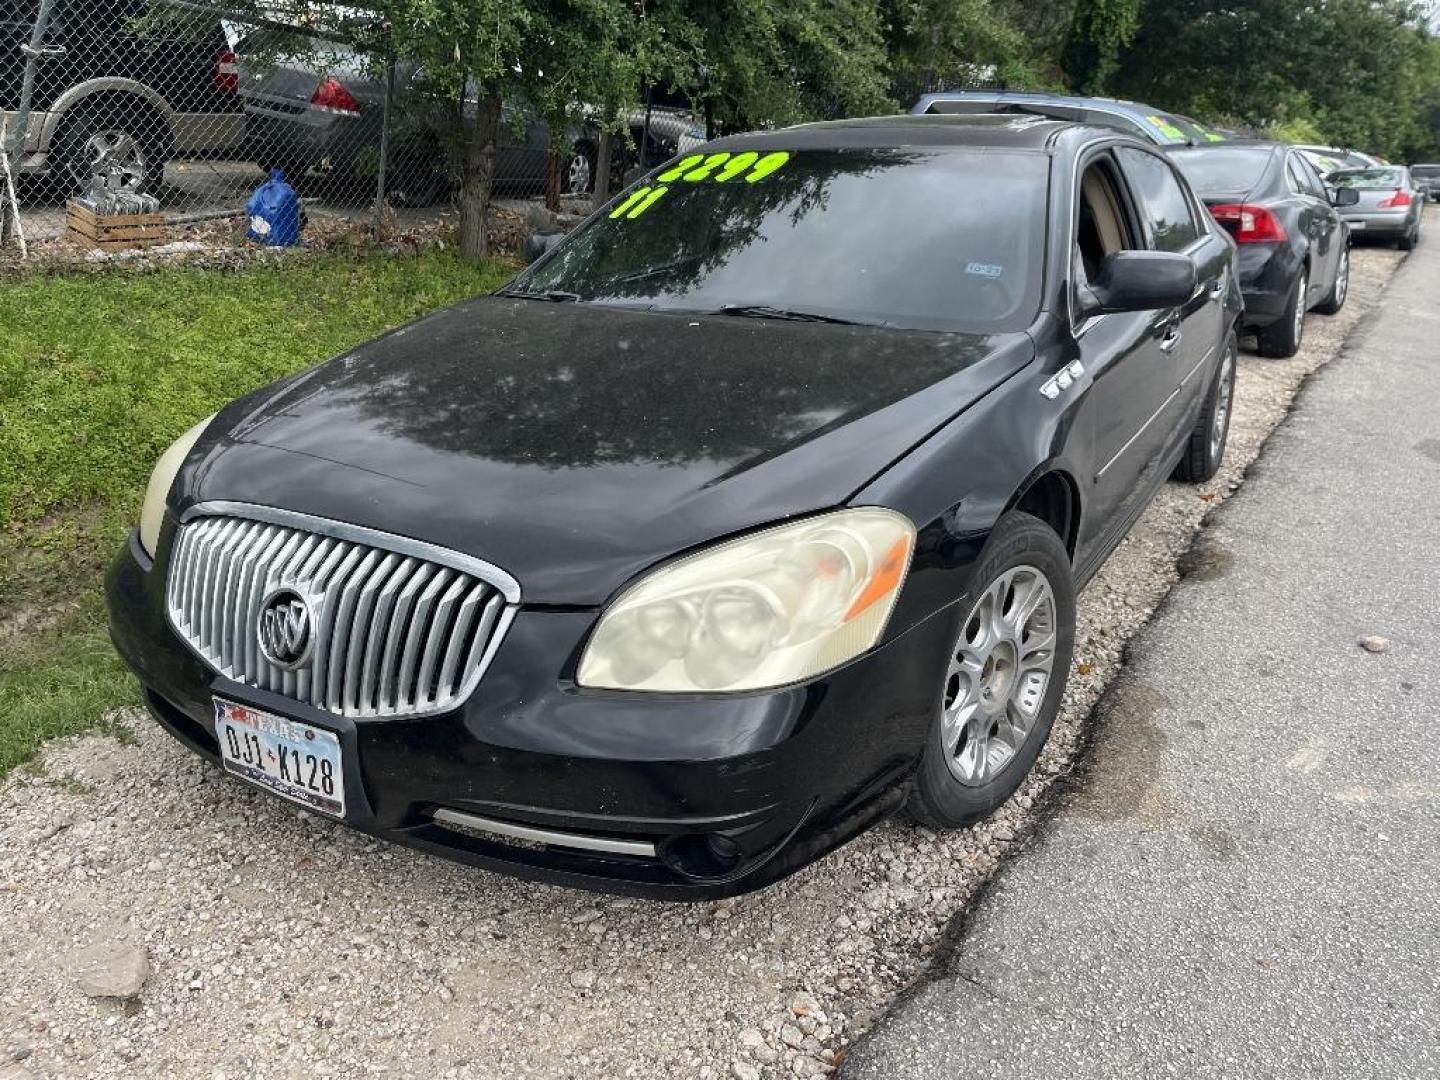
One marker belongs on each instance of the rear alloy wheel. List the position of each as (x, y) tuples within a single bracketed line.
[(1004, 679), (1281, 339), (1206, 447), (1335, 298)]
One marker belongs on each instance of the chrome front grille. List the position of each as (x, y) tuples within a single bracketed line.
[(400, 628)]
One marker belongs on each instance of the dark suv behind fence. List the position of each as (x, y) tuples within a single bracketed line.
[(121, 85)]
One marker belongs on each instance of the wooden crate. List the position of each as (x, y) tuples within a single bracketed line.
[(113, 232)]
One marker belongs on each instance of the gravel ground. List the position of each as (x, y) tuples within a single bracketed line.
[(282, 945)]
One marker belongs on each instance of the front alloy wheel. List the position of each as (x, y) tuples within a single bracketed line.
[(999, 675), (1003, 679)]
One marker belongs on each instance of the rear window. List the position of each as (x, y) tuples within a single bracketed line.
[(1367, 178), (1224, 170), (921, 240), (1425, 171)]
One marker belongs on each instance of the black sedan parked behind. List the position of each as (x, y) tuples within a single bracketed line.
[(1294, 248), (753, 511)]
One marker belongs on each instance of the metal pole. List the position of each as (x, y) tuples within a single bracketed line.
[(33, 52), (9, 204), (645, 128), (384, 142), (19, 137)]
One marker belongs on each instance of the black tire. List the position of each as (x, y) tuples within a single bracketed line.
[(1021, 544), (1339, 289), (1205, 448), (1282, 338), (85, 126), (1408, 241), (417, 178)]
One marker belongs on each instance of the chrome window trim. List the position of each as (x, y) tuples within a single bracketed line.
[(340, 530)]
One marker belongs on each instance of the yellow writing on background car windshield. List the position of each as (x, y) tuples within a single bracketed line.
[(1166, 128), (695, 168)]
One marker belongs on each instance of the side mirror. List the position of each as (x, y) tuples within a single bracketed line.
[(1345, 196), (537, 244), (1139, 281)]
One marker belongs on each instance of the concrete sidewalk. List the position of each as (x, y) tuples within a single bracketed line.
[(1246, 880)]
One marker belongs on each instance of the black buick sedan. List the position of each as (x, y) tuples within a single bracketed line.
[(750, 513)]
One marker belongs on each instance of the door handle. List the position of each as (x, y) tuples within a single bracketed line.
[(1216, 288), (1172, 336)]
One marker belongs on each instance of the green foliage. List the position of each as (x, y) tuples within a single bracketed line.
[(1297, 129), (99, 373), (1099, 29), (1357, 73), (935, 44)]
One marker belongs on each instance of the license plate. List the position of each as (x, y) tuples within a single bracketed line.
[(298, 761)]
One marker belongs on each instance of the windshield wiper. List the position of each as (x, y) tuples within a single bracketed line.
[(768, 311), (557, 296)]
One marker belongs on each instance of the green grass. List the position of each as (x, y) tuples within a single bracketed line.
[(98, 373)]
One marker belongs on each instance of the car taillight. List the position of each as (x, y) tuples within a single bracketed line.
[(330, 96), (1400, 198), (227, 72), (1249, 224)]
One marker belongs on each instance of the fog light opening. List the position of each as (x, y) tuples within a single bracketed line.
[(701, 856)]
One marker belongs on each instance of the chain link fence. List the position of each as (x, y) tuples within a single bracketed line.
[(194, 106)]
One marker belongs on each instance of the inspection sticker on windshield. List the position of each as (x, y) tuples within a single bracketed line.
[(990, 270)]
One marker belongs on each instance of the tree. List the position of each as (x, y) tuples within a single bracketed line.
[(949, 44), (1099, 29)]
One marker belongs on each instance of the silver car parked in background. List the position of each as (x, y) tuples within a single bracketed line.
[(1390, 203), (1427, 178)]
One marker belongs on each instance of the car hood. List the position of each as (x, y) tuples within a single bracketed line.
[(575, 445)]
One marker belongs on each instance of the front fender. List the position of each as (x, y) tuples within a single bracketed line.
[(956, 484), (110, 84)]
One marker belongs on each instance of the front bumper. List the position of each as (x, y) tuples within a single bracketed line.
[(732, 792)]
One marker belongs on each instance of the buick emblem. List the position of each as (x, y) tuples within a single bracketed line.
[(285, 629)]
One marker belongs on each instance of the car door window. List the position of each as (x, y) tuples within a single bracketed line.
[(1310, 180), (1169, 215), (1103, 226)]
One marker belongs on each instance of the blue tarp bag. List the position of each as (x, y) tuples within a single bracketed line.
[(273, 212)]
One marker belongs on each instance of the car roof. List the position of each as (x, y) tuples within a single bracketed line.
[(1162, 126), (985, 130), (1042, 96), (1230, 144)]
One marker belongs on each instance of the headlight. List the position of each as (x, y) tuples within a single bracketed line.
[(152, 513), (774, 608)]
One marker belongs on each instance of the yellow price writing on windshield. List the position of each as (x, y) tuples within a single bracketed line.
[(721, 166)]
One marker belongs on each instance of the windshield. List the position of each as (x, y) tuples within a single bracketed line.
[(1172, 129), (924, 240), (1223, 170), (1366, 178)]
